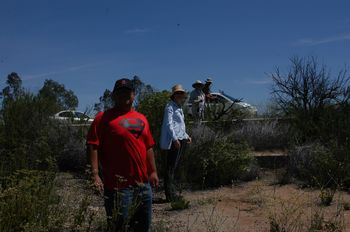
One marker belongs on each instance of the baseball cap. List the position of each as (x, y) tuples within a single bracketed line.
[(123, 83)]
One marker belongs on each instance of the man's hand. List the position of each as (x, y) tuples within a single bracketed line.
[(177, 144), (93, 154), (153, 179), (98, 183)]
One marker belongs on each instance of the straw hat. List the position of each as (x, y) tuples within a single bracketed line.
[(198, 82), (177, 88)]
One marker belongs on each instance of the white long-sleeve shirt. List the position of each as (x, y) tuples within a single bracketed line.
[(173, 127)]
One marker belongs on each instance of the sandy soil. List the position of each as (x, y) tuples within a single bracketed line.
[(243, 207), (249, 207)]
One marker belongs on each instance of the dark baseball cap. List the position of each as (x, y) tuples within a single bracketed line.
[(123, 83)]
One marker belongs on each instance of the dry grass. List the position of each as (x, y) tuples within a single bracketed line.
[(263, 135), (258, 206)]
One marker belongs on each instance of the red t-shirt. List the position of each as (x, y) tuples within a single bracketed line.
[(122, 141)]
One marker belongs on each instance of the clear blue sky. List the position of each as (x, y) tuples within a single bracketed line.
[(87, 45)]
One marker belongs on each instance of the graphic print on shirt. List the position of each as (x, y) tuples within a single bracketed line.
[(134, 125)]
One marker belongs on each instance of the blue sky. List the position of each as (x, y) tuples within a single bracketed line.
[(87, 45)]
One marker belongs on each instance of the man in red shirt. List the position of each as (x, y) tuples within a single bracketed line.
[(120, 141)]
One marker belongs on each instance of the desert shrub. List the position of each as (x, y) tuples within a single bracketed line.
[(27, 202), (309, 95), (319, 107), (263, 134), (319, 165), (217, 162), (25, 139), (180, 204), (30, 137), (70, 144), (152, 106), (31, 143), (346, 206), (289, 215), (326, 196)]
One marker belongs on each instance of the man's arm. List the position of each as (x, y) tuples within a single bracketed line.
[(93, 154), (151, 167)]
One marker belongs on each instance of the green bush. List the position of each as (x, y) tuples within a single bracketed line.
[(326, 196), (29, 137), (152, 106), (31, 143), (27, 202), (327, 164), (180, 204), (24, 129), (217, 162), (321, 166), (346, 206), (69, 143)]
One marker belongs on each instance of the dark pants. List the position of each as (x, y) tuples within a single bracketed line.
[(173, 159), (129, 209)]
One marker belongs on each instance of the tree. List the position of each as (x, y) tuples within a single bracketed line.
[(106, 101), (14, 87), (141, 91), (307, 91), (308, 86), (58, 95), (221, 110)]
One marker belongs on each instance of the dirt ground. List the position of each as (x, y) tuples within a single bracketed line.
[(251, 206), (243, 207)]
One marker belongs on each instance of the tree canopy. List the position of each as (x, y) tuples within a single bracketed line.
[(56, 93)]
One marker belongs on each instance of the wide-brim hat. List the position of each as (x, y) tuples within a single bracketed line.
[(177, 89), (198, 82)]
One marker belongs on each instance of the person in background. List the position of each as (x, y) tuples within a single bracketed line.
[(197, 99), (120, 140), (173, 138), (207, 90)]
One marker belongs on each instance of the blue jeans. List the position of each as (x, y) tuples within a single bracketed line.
[(129, 209)]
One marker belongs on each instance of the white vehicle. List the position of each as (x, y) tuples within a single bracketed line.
[(223, 102), (72, 116)]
